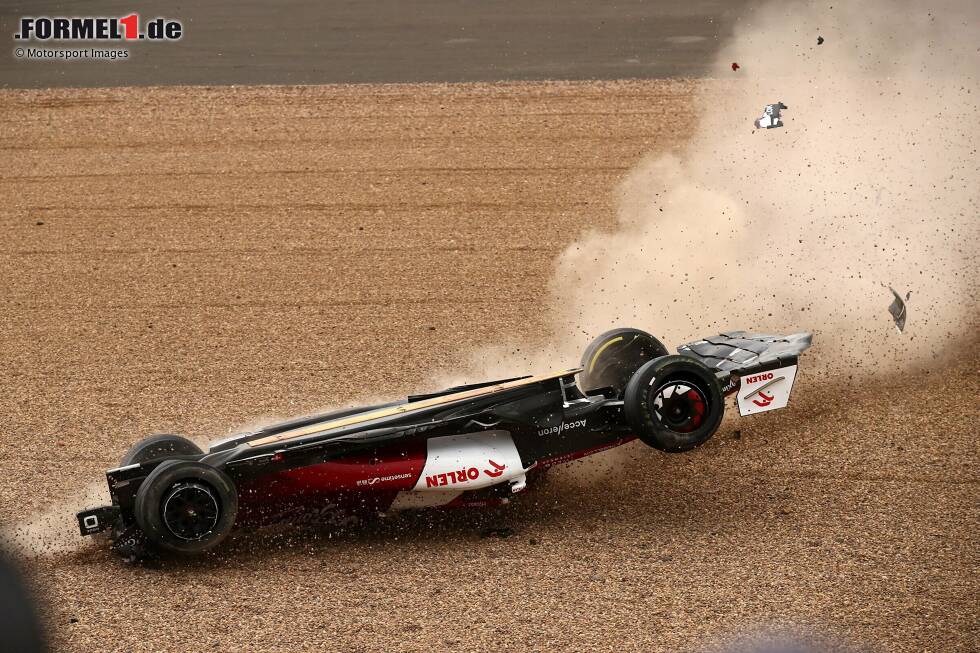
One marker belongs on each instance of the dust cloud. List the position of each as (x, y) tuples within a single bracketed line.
[(873, 179)]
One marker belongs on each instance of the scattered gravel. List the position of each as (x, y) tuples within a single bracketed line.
[(297, 248)]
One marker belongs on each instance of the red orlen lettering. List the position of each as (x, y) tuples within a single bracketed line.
[(455, 476), (759, 377)]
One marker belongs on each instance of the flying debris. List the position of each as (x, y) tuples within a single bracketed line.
[(735, 65), (897, 308), (819, 40), (771, 116)]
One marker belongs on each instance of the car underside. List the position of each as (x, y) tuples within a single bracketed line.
[(472, 445)]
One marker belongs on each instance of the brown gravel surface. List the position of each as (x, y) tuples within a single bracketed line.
[(195, 259)]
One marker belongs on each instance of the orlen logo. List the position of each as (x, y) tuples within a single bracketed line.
[(763, 400), (44, 28), (758, 377), (464, 475)]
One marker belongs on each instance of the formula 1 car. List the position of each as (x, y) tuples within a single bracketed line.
[(472, 445)]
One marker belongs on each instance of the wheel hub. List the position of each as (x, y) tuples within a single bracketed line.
[(190, 510), (679, 406)]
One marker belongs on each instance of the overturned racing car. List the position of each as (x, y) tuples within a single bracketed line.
[(472, 445)]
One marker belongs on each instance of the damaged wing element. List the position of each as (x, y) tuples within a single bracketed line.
[(897, 308), (742, 352), (771, 116)]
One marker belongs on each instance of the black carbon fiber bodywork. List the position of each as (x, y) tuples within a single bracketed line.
[(744, 353), (548, 418)]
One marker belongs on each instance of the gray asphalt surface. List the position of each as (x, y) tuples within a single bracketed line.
[(311, 42)]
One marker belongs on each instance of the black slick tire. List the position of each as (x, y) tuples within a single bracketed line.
[(612, 358), (674, 403), (159, 446), (186, 507)]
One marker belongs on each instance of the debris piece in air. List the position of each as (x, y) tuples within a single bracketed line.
[(819, 40), (735, 65), (500, 531), (771, 116), (897, 308)]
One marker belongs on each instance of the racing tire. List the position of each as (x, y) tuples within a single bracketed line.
[(186, 507), (674, 403), (159, 446), (612, 359)]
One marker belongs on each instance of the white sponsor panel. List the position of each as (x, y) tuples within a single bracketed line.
[(469, 462), (764, 391)]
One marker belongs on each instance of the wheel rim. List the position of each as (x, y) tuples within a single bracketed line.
[(190, 510), (680, 406)]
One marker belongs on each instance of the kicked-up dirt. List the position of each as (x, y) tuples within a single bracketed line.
[(195, 260)]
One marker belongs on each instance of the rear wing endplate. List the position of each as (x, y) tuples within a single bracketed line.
[(759, 368)]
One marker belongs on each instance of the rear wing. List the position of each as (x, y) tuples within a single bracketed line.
[(760, 368)]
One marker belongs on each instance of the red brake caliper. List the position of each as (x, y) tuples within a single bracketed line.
[(697, 404)]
